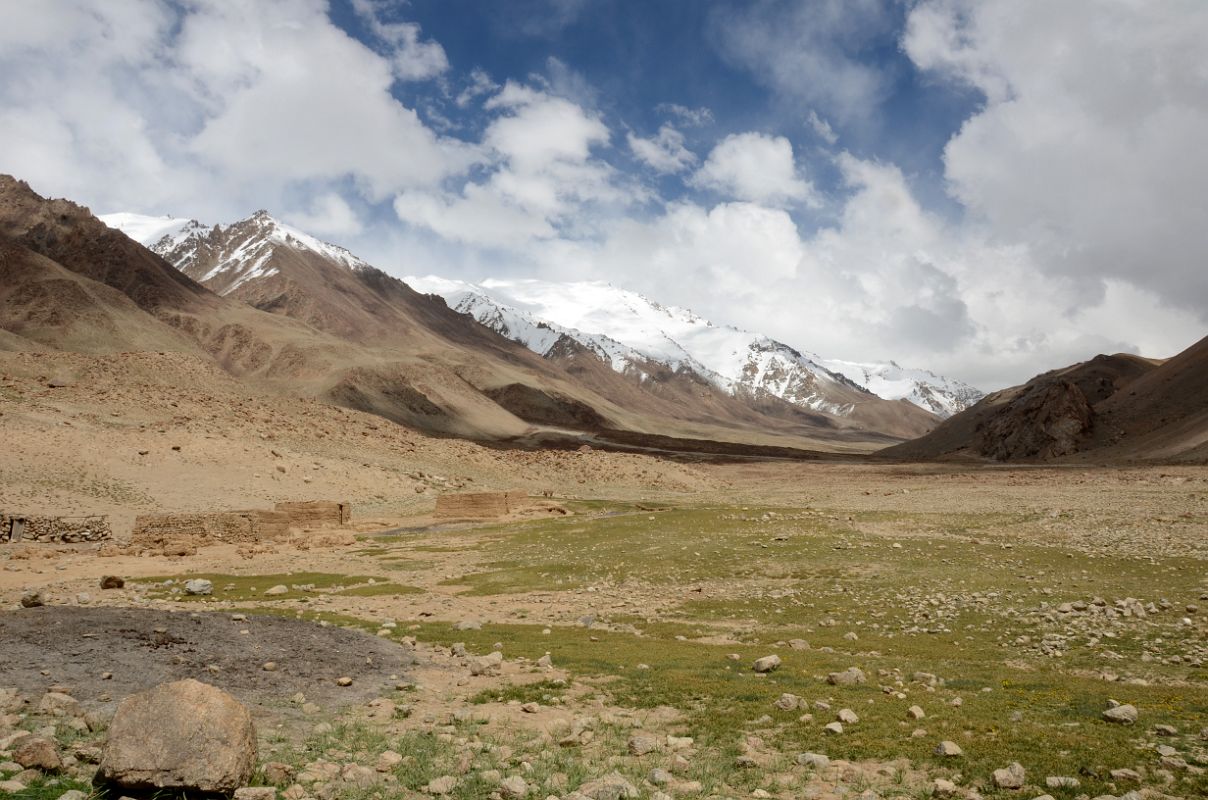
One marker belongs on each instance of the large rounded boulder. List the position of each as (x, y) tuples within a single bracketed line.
[(184, 735)]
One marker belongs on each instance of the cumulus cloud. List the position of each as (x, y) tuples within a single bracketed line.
[(327, 215), (541, 174), (822, 128), (1090, 144), (413, 60), (755, 167), (210, 110), (664, 153)]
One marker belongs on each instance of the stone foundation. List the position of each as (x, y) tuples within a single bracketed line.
[(54, 530)]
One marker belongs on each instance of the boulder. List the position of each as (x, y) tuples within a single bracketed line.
[(767, 663), (184, 735), (1121, 715), (1012, 777), (32, 599), (199, 586), (112, 582), (37, 752)]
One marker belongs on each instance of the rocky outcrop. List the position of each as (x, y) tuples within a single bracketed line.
[(1049, 422), (185, 736)]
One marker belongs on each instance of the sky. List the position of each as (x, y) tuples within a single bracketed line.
[(985, 188)]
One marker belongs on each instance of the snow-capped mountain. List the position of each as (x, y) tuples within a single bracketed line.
[(628, 330), (941, 396), (224, 257)]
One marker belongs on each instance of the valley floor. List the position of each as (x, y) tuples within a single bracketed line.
[(998, 610)]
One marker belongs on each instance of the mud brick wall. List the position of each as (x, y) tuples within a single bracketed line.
[(316, 513), (479, 505), (55, 530), (239, 527)]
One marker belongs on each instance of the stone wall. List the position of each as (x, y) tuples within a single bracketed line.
[(479, 505), (50, 530), (238, 527)]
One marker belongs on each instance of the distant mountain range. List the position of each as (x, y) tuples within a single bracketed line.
[(528, 363), (628, 330)]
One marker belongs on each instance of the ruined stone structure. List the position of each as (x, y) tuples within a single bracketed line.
[(238, 527), (480, 505), (54, 530)]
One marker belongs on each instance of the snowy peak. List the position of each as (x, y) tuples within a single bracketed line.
[(226, 257), (631, 332), (627, 331)]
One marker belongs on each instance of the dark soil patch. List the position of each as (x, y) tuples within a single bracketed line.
[(75, 647)]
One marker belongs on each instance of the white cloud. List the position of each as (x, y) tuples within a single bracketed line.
[(480, 83), (755, 167), (821, 127), (1090, 145), (207, 110), (810, 51), (328, 215), (413, 60), (541, 176), (664, 153), (690, 117)]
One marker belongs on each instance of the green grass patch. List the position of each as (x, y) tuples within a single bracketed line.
[(242, 588)]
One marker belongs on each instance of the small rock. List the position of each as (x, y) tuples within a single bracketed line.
[(767, 664), (112, 582), (388, 761), (344, 680), (640, 745), (1011, 777), (1121, 715), (256, 793), (834, 728), (950, 749), (846, 715), (1062, 782), (787, 702), (815, 760), (490, 664), (442, 785), (274, 591), (659, 777), (37, 752), (915, 712), (199, 586), (848, 677), (32, 599), (942, 787), (514, 786)]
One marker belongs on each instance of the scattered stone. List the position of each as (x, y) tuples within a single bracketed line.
[(815, 760), (468, 625), (32, 599), (112, 582), (1062, 782), (199, 586), (445, 784), (57, 704), (613, 786), (388, 761), (1165, 730), (269, 666), (942, 787), (1012, 777), (949, 749), (659, 777), (279, 589), (915, 712), (256, 793), (834, 728), (1130, 775), (1121, 715), (787, 702), (530, 708), (490, 664), (846, 715), (344, 681), (183, 735), (848, 677), (514, 786), (37, 752), (767, 664), (640, 745)]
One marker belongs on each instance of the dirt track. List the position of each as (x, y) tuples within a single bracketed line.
[(75, 647)]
